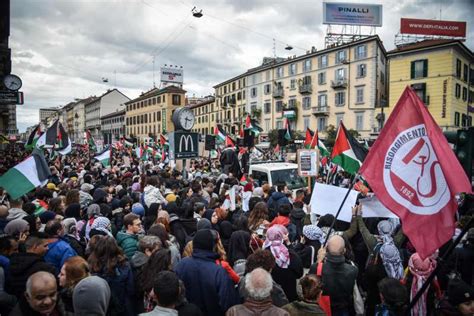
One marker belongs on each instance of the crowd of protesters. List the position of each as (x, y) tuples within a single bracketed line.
[(141, 238)]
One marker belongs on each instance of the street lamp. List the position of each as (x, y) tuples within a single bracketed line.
[(196, 13)]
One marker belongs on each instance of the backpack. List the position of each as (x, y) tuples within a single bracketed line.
[(374, 256)]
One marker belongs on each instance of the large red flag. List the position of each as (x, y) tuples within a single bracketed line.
[(415, 174)]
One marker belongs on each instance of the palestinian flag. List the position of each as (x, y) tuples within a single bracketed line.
[(248, 122), (322, 149), (241, 133), (104, 157), (127, 142), (55, 137), (26, 176), (347, 151), (220, 133), (90, 141), (252, 126), (287, 127), (33, 138), (311, 139), (276, 150), (229, 141), (163, 140), (243, 180), (4, 139)]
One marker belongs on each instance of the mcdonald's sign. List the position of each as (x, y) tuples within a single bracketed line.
[(183, 145)]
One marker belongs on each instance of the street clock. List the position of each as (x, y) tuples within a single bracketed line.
[(183, 119), (12, 82)]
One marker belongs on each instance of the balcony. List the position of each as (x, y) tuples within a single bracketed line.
[(339, 84), (305, 88), (232, 102), (278, 93), (320, 110)]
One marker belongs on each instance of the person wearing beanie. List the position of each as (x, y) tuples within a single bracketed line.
[(461, 296), (138, 209), (91, 297), (207, 284)]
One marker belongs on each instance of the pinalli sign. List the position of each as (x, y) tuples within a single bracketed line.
[(352, 13), (432, 27)]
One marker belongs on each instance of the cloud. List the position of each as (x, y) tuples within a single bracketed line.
[(63, 49)]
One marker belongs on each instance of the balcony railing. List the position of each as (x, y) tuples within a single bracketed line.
[(306, 88), (339, 84), (278, 93), (320, 110)]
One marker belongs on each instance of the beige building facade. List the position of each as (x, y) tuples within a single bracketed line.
[(150, 114), (205, 112)]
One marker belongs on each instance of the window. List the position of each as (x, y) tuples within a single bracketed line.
[(361, 51), (322, 78), (164, 99), (279, 106), (322, 124), (306, 103), (322, 100), (360, 95), (279, 125), (292, 84), (419, 69), (306, 122), (291, 103), (323, 61), (420, 90), (463, 120), (267, 107), (253, 92), (307, 65), (458, 68), (465, 72), (457, 91), (306, 80), (339, 118), (267, 124), (464, 94), (340, 56), (253, 107), (340, 98), (159, 100), (361, 70), (359, 121), (279, 73), (267, 89), (382, 77), (292, 69), (340, 74), (233, 86)]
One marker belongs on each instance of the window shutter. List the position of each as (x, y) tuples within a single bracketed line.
[(425, 68), (412, 72)]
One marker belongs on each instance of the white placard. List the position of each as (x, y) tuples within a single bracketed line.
[(371, 207), (326, 199)]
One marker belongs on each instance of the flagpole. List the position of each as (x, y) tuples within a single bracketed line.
[(441, 261), (340, 208)]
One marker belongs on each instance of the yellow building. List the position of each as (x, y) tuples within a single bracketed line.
[(345, 82), (231, 104), (150, 114), (438, 70), (205, 112)]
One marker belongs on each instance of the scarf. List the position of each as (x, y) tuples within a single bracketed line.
[(389, 252), (280, 220), (102, 224), (313, 232), (420, 269), (274, 241)]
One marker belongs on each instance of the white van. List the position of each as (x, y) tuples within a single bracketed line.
[(275, 173)]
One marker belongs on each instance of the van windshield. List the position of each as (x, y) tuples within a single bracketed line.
[(288, 176)]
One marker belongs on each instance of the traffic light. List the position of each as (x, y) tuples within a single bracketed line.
[(465, 149)]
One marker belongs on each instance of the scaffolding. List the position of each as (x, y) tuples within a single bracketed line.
[(342, 34)]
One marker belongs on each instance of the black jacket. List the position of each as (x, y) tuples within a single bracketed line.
[(287, 277), (338, 281), (22, 265)]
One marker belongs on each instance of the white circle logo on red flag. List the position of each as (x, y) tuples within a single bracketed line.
[(412, 173)]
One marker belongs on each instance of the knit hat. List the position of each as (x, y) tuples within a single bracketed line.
[(87, 187), (16, 227), (138, 209), (459, 292), (313, 232), (204, 240), (47, 216), (171, 197), (203, 223), (93, 209), (91, 296)]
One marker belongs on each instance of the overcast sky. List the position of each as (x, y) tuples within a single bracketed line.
[(62, 49)]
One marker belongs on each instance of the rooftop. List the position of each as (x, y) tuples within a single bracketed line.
[(429, 44)]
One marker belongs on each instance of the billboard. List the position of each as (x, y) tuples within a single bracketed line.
[(432, 27), (352, 13), (171, 75)]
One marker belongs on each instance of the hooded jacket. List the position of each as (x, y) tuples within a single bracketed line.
[(153, 195), (15, 213), (91, 297), (58, 252), (207, 284), (128, 243), (22, 265), (277, 199)]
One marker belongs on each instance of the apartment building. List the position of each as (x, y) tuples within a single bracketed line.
[(46, 113), (150, 114), (105, 104), (231, 99), (205, 113), (320, 88), (440, 72), (112, 126), (79, 120)]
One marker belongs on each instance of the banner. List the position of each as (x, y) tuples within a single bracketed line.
[(432, 27), (352, 13)]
